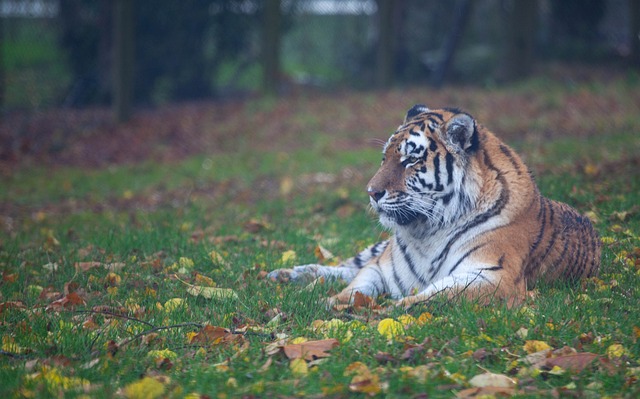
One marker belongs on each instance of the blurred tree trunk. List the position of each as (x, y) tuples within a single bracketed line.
[(2, 73), (634, 13), (123, 60), (384, 70), (271, 47), (521, 17), (463, 10)]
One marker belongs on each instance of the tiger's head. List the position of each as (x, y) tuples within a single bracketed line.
[(422, 179)]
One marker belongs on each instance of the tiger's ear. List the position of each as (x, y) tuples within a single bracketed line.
[(461, 133), (415, 111)]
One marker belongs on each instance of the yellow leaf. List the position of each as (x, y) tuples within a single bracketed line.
[(366, 383), (533, 346), (591, 169), (615, 351), (407, 319), (606, 240), (186, 263), (424, 318), (390, 328), (288, 256), (299, 367), (356, 368), (56, 381), (299, 340), (218, 259), (204, 280), (112, 279), (146, 388), (173, 304), (162, 354), (286, 186), (9, 345), (556, 370), (190, 336), (212, 292)]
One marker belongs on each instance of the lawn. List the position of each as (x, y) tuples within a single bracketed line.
[(144, 276)]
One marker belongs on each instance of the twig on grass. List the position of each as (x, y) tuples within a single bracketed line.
[(159, 328), (108, 313)]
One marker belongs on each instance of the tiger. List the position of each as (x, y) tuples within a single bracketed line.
[(466, 218)]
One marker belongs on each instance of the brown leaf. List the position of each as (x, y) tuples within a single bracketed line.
[(575, 362), (361, 300), (84, 266), (322, 254), (68, 301), (366, 384), (9, 277), (310, 350), (255, 226), (212, 335), (384, 357)]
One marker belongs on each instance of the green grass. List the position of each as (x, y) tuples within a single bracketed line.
[(160, 222)]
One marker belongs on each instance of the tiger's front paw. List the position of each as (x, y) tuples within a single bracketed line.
[(299, 274)]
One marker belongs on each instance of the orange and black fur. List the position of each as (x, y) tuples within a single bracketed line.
[(466, 216)]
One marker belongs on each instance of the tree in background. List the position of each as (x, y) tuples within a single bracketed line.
[(520, 23), (180, 47)]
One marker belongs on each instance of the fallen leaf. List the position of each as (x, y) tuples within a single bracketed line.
[(615, 351), (212, 335), (51, 266), (533, 346), (288, 256), (146, 388), (84, 266), (212, 292), (173, 304), (68, 301), (322, 254), (574, 363), (361, 300), (492, 380), (310, 350), (299, 367), (390, 328), (368, 383)]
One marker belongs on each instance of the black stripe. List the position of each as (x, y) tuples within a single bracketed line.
[(437, 115), (449, 165), (410, 262), (463, 257), (507, 151), (436, 172), (384, 281), (358, 261), (446, 199), (541, 216), (396, 278), (495, 210), (433, 145)]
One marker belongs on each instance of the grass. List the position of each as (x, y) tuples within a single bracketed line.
[(225, 220)]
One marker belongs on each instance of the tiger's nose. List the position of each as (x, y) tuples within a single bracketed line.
[(376, 195)]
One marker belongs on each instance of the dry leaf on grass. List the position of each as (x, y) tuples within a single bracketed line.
[(310, 350), (492, 380)]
